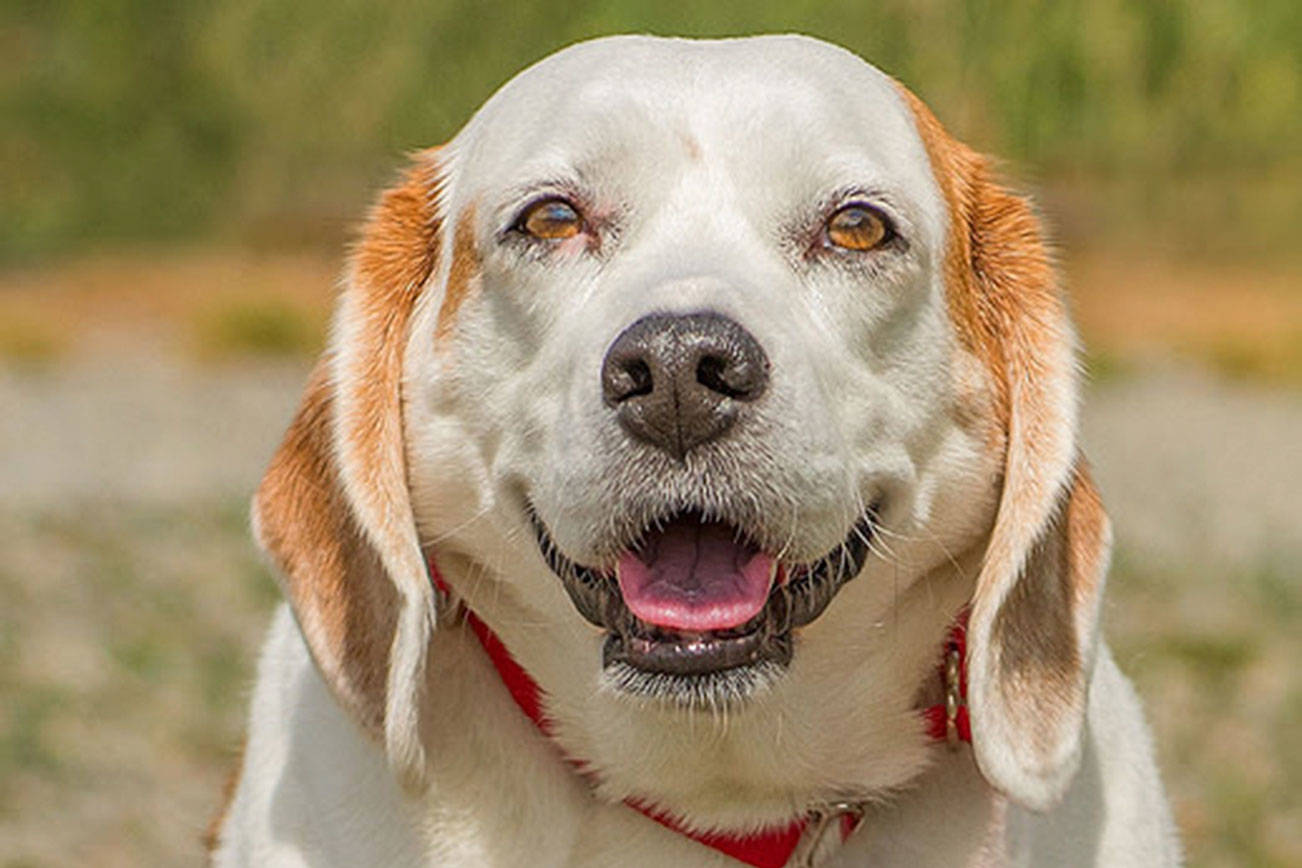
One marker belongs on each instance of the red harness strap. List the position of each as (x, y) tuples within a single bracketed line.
[(768, 849)]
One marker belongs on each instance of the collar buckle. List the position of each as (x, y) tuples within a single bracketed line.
[(953, 694)]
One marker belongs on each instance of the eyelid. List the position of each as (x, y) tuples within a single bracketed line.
[(534, 202), (881, 211), (525, 196)]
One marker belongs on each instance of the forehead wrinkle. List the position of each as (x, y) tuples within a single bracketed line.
[(574, 148), (629, 81)]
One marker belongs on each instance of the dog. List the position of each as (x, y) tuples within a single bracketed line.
[(693, 479)]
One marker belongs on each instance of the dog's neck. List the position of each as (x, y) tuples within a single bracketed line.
[(688, 764), (807, 835)]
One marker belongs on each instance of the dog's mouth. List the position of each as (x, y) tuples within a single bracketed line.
[(695, 611)]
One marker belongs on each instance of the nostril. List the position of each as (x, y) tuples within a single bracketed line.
[(637, 375), (679, 380), (735, 378), (627, 379)]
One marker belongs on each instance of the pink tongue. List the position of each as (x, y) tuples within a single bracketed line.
[(695, 576)]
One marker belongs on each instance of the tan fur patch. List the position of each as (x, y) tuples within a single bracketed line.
[(463, 273), (691, 145), (396, 256), (330, 574), (399, 243), (1035, 630), (998, 275), (330, 568), (1007, 310)]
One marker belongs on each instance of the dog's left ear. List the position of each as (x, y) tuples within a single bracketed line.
[(1032, 632), (333, 510), (1033, 629)]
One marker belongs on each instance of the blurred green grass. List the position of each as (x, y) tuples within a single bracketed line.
[(256, 327), (129, 120), (1214, 655), (127, 636), (29, 344)]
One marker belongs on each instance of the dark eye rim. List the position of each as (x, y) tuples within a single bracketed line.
[(888, 225), (521, 218)]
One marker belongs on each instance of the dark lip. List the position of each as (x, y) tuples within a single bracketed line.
[(679, 663)]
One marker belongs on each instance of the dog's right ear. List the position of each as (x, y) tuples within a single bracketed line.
[(333, 511)]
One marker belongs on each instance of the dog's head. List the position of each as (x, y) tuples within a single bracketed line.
[(716, 377)]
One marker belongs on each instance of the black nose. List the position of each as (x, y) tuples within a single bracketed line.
[(680, 381)]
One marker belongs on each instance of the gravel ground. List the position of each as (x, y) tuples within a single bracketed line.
[(1197, 470), (137, 433)]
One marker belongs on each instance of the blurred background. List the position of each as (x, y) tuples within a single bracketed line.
[(180, 180)]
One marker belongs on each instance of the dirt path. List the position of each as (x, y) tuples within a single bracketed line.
[(1196, 469), (140, 433)]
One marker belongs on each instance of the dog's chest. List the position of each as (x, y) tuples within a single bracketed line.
[(499, 796)]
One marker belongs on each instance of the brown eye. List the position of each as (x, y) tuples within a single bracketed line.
[(857, 227), (551, 219)]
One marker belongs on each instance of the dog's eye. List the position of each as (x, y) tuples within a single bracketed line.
[(551, 219), (858, 227)]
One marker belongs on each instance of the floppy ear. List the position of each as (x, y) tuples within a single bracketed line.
[(1032, 632), (333, 511)]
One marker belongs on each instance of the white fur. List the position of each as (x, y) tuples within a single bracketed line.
[(315, 791), (707, 155)]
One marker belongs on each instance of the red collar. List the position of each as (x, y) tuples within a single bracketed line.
[(768, 849)]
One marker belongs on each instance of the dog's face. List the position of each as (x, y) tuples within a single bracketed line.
[(702, 348), (704, 372)]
